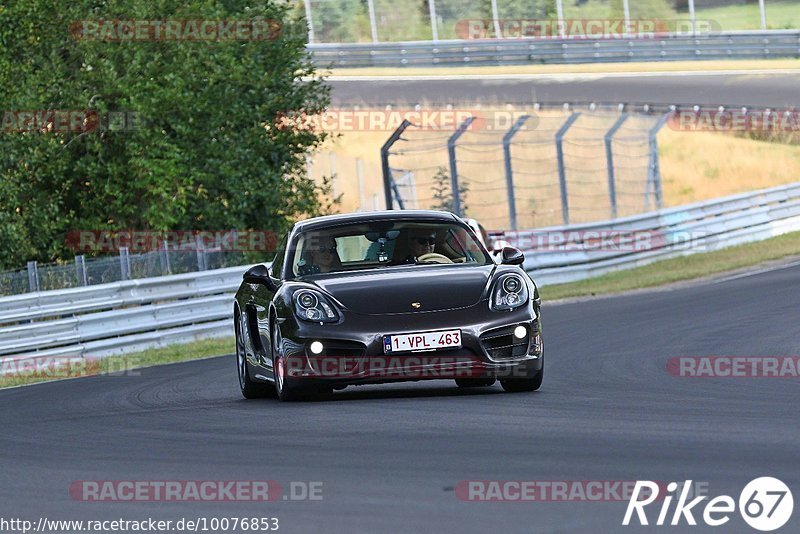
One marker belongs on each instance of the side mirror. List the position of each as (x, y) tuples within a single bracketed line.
[(512, 256), (259, 274)]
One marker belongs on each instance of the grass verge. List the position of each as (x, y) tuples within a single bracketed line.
[(46, 369), (679, 269), (588, 68), (780, 16)]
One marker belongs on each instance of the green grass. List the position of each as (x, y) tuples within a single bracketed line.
[(780, 15), (678, 269), (124, 365)]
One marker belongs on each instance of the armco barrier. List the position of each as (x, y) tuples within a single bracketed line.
[(133, 315), (722, 45), (108, 319), (683, 230)]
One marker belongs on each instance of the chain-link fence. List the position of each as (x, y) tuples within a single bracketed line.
[(541, 168), (352, 21), (84, 271)]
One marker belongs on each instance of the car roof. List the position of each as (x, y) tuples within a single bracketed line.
[(326, 221)]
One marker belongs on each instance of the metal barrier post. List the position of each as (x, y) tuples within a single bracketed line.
[(387, 171), (124, 264), (80, 270), (512, 206), (33, 276), (763, 9), (562, 173), (451, 150), (654, 168), (612, 186), (693, 17)]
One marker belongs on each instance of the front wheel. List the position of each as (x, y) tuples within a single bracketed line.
[(249, 388), (286, 387)]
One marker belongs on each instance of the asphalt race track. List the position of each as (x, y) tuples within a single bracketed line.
[(389, 457), (755, 90)]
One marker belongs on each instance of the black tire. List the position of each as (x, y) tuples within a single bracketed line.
[(475, 382), (518, 385), (249, 388), (286, 388)]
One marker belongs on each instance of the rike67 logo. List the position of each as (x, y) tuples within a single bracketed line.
[(765, 504)]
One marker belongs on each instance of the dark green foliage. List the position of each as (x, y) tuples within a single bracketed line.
[(205, 153)]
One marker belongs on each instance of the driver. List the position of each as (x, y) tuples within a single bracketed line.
[(421, 242)]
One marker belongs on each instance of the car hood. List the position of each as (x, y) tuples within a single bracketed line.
[(394, 290)]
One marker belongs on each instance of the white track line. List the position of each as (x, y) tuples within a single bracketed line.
[(763, 270)]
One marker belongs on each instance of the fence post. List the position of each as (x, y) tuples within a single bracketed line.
[(612, 185), (360, 175), (309, 168), (372, 24), (124, 264), (387, 171), (33, 276), (498, 34), (332, 161), (201, 253), (654, 167), (163, 254), (434, 23), (451, 150), (397, 196), (310, 22), (80, 270), (763, 9), (560, 15), (562, 173), (692, 17), (407, 182), (626, 7), (512, 206)]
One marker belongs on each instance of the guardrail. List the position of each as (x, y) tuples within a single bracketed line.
[(561, 254), (722, 45), (133, 315), (120, 317)]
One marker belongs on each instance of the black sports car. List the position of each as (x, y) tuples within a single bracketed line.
[(389, 296)]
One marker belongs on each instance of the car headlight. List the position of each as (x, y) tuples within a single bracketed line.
[(509, 292), (312, 306)]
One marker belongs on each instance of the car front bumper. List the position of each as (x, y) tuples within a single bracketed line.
[(353, 350)]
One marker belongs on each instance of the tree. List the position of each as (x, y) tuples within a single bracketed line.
[(443, 192), (204, 152)]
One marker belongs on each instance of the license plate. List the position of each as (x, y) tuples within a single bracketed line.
[(422, 341)]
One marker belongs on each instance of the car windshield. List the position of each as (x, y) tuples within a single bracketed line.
[(383, 245)]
